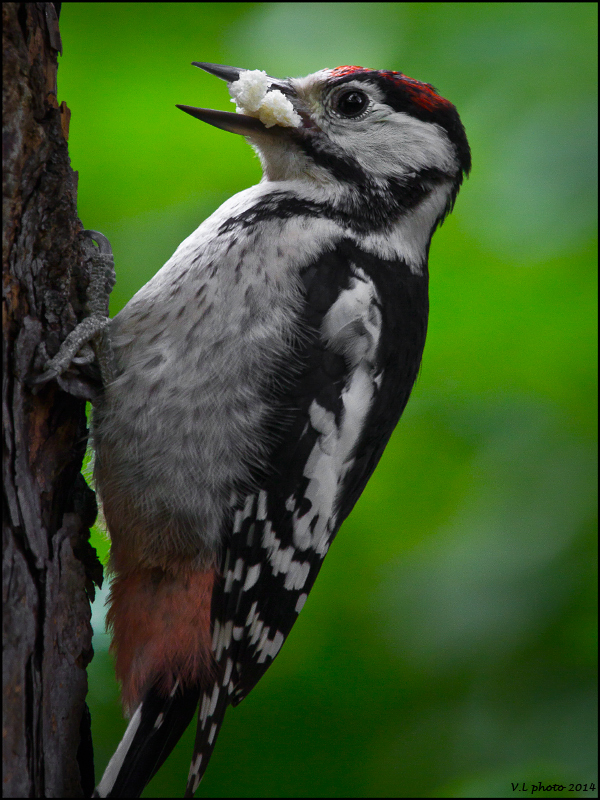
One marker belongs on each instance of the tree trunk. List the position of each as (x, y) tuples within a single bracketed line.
[(48, 565)]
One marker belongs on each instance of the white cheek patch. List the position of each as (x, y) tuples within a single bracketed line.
[(397, 145)]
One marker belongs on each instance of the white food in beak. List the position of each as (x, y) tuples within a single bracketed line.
[(251, 96)]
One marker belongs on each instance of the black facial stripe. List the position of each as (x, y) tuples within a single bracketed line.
[(371, 208), (345, 169)]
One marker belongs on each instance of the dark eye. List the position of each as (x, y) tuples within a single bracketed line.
[(351, 103)]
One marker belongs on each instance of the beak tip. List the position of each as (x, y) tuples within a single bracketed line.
[(228, 74), (232, 122)]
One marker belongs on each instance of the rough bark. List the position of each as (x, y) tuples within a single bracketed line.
[(48, 564)]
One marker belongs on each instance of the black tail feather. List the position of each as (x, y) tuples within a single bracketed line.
[(153, 732)]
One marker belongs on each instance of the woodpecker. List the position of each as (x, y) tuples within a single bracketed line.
[(258, 377)]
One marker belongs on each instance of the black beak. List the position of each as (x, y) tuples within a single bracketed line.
[(229, 74), (227, 120)]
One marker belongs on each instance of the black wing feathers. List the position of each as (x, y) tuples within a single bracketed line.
[(162, 723), (267, 568)]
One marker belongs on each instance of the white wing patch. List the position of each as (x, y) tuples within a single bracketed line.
[(351, 327), (234, 574), (251, 577), (279, 558)]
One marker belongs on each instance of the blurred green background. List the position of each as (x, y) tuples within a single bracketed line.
[(448, 648)]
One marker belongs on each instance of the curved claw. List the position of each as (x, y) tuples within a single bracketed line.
[(101, 240), (37, 380)]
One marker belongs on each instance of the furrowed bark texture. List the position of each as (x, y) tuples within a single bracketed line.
[(48, 564)]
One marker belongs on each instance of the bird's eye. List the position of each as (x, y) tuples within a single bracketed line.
[(351, 103)]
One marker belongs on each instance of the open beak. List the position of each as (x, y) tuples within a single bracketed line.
[(227, 120)]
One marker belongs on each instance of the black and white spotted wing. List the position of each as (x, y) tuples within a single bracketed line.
[(366, 320)]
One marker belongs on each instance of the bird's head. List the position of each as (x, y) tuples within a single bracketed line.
[(347, 126)]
